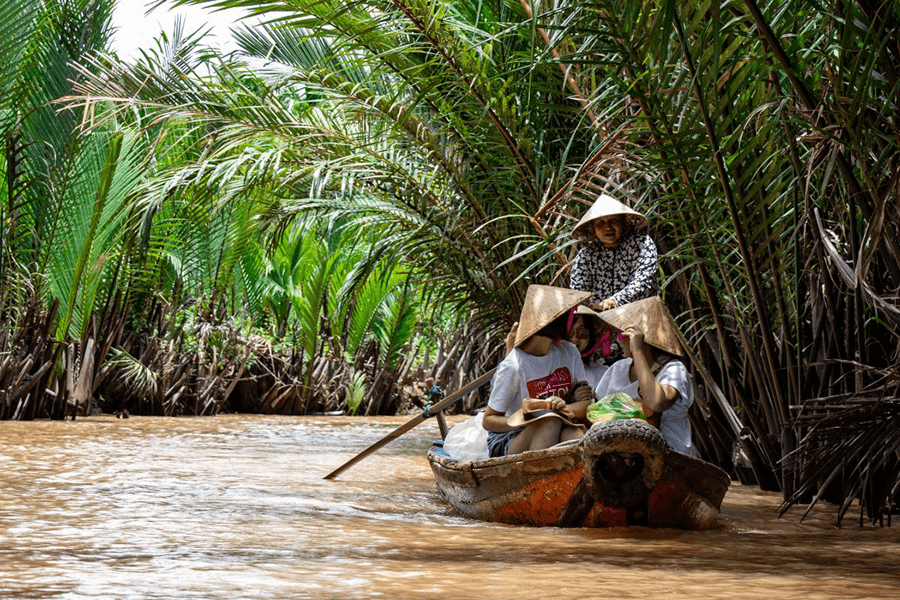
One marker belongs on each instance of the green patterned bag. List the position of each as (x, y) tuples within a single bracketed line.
[(615, 406)]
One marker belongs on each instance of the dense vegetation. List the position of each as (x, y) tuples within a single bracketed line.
[(364, 191)]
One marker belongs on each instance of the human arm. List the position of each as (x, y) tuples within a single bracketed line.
[(579, 408), (494, 420), (655, 397), (581, 392), (576, 272), (583, 275), (591, 271), (506, 394), (578, 399)]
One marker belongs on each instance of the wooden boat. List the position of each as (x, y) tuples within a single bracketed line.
[(619, 474)]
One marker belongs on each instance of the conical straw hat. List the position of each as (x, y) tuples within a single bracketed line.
[(592, 316), (543, 304), (651, 317), (534, 409), (586, 310), (606, 206)]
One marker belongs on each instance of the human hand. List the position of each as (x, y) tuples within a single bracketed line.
[(556, 403), (511, 337), (607, 304), (583, 393), (635, 338)]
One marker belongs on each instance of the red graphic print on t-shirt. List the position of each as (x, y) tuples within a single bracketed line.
[(555, 384)]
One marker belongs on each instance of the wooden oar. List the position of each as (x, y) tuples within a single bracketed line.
[(412, 423)]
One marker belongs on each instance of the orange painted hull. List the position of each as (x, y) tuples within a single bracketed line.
[(544, 488)]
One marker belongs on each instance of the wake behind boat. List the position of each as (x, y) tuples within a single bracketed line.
[(619, 474)]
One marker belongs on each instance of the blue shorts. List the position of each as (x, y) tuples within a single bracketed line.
[(498, 441)]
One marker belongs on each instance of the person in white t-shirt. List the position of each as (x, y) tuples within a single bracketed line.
[(541, 365), (651, 371), (585, 331)]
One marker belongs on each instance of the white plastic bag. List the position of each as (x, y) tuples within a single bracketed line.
[(468, 440)]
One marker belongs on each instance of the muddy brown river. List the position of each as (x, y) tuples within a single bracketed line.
[(236, 506)]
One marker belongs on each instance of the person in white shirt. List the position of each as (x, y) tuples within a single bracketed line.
[(587, 333), (651, 371), (541, 365)]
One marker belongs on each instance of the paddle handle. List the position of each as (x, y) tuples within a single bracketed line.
[(412, 423), (462, 392)]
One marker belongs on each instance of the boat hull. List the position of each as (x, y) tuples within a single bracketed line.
[(549, 488)]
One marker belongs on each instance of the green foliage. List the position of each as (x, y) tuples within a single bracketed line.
[(359, 161), (356, 391), (139, 380), (90, 233), (416, 124), (41, 160), (397, 325)]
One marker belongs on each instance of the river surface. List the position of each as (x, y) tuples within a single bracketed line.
[(235, 506)]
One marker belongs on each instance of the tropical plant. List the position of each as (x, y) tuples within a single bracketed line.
[(356, 391), (439, 141), (306, 143), (744, 130), (64, 199), (462, 136), (90, 234), (44, 159)]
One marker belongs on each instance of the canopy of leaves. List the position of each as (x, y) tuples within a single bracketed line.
[(358, 161)]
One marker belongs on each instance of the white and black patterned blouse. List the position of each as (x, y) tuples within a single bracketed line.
[(625, 273)]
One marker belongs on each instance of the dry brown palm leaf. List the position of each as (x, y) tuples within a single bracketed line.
[(853, 439)]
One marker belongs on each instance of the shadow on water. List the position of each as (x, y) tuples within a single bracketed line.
[(236, 507)]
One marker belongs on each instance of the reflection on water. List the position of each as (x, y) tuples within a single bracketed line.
[(235, 506)]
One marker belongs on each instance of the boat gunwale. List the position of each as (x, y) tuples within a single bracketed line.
[(560, 450)]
